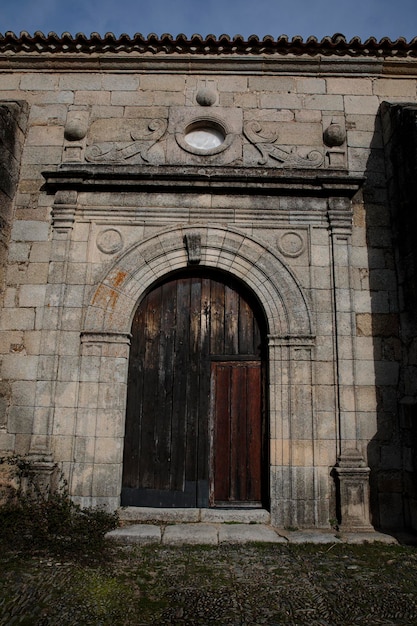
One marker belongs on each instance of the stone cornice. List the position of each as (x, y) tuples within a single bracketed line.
[(193, 179), (331, 55)]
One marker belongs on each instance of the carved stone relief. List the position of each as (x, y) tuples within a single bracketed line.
[(271, 153), (142, 139), (291, 243), (109, 241)]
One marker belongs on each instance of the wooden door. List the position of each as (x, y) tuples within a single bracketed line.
[(237, 433), (182, 329)]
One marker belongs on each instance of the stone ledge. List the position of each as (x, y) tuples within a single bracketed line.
[(195, 179)]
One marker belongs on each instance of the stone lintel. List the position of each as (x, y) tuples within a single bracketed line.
[(210, 179)]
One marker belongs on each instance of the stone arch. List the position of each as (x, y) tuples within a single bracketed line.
[(114, 300)]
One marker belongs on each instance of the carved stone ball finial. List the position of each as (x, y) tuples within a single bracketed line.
[(334, 135), (206, 97), (76, 126)]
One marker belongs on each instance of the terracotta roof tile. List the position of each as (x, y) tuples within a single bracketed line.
[(209, 45)]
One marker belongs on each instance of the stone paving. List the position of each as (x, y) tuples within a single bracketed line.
[(146, 525), (218, 533)]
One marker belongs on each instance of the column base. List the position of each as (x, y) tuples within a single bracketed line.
[(353, 492)]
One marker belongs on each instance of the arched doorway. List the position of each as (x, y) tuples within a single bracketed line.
[(196, 433)]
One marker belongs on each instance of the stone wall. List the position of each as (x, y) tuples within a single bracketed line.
[(399, 124), (294, 203), (13, 118)]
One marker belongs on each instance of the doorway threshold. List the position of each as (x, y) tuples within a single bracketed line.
[(146, 515)]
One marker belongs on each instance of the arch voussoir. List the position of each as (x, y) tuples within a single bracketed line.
[(116, 296)]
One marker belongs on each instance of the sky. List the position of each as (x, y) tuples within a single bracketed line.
[(363, 18)]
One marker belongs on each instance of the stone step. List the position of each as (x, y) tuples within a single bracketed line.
[(142, 515), (202, 533)]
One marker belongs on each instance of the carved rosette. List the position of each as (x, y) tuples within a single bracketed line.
[(267, 146)]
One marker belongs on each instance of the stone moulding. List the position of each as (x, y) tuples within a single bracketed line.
[(209, 55), (193, 179)]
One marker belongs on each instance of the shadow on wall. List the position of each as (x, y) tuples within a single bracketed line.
[(13, 120), (390, 231)]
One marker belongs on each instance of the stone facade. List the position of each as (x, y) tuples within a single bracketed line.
[(301, 193)]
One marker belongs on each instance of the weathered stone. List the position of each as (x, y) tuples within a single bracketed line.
[(305, 199)]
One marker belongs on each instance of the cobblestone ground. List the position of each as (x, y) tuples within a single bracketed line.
[(326, 585)]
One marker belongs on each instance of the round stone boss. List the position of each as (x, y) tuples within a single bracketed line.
[(109, 241)]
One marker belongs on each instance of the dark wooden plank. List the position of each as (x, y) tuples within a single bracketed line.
[(163, 418), (231, 333), (221, 439), (203, 453), (193, 381), (217, 318), (134, 407), (147, 462), (238, 453), (254, 432), (246, 339), (180, 404)]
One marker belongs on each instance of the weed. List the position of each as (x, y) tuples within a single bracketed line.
[(35, 518)]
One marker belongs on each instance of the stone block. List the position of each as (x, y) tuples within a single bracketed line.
[(166, 82), (362, 139), (311, 85), (108, 450), (244, 533), (17, 319), (64, 422), (279, 84), (196, 534), (293, 133), (246, 100), (84, 450), (363, 105), (9, 82), (39, 82), (32, 295), (308, 115), (106, 480), (141, 534), (102, 98), (45, 136), (23, 393), (106, 111), (86, 421), (131, 98), (120, 82), (66, 394), (110, 423), (280, 101), (145, 112), (80, 81), (346, 86), (7, 441), (48, 155), (386, 87), (48, 115), (18, 252), (324, 102), (30, 231), (20, 419)]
